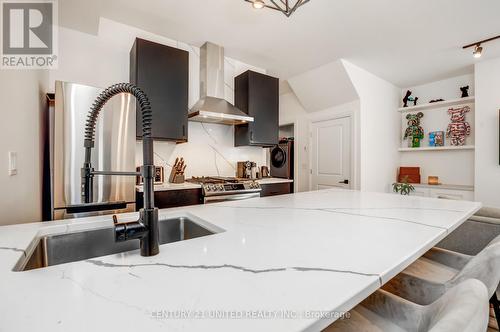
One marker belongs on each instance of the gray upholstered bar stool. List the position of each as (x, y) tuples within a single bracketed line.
[(440, 269), (462, 308), (472, 236)]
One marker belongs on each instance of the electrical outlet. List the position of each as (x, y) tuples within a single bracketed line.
[(12, 163)]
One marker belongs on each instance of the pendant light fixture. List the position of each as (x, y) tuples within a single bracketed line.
[(287, 7), (478, 49), (258, 4)]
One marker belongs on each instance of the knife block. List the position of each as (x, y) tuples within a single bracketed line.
[(176, 178)]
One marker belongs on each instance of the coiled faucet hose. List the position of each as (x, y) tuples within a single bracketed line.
[(141, 97)]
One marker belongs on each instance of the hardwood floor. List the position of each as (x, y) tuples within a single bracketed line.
[(492, 326)]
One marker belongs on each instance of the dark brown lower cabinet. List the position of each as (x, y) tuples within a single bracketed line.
[(274, 189), (171, 198), (177, 198)]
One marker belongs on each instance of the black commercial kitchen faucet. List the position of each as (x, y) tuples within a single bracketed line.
[(146, 228)]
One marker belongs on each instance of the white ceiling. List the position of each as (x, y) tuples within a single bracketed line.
[(407, 42)]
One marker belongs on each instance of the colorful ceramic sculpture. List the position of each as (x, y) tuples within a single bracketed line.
[(414, 131), (458, 129)]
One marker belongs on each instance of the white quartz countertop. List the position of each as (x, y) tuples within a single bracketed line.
[(188, 185), (299, 256)]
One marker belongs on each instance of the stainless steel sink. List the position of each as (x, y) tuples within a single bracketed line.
[(72, 247)]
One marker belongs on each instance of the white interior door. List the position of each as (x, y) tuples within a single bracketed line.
[(331, 154)]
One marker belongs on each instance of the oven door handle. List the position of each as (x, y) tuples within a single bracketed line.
[(223, 198)]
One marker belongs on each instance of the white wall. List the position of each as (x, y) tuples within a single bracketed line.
[(104, 59), (487, 169), (23, 99), (379, 128), (452, 167), (447, 89), (320, 94), (375, 126), (323, 87), (292, 111)]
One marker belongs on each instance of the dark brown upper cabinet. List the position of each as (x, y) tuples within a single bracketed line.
[(257, 95), (162, 72)]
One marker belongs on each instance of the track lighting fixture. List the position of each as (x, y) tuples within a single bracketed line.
[(478, 49)]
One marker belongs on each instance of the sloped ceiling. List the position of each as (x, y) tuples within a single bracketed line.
[(324, 87), (405, 42)]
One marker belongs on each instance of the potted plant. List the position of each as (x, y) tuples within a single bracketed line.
[(403, 187)]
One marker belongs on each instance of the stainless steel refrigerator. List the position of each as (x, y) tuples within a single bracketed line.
[(114, 150)]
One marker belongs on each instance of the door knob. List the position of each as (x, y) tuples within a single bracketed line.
[(344, 182)]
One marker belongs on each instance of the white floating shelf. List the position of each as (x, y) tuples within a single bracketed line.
[(440, 104), (437, 148)]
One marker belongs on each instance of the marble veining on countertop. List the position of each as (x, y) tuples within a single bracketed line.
[(301, 255)]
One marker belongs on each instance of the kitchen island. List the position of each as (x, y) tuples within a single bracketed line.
[(276, 264)]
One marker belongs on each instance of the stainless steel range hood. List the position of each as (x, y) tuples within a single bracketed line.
[(212, 107)]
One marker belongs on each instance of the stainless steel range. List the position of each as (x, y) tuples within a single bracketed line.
[(219, 189)]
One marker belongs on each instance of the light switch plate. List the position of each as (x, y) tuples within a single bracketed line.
[(12, 163)]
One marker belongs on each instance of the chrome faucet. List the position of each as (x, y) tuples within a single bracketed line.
[(146, 228)]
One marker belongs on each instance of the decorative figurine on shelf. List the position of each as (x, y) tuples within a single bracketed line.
[(465, 91), (436, 138), (439, 138), (408, 98), (414, 131), (458, 129), (432, 139), (436, 100)]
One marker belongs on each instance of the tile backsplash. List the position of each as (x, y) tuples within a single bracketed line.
[(210, 151)]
